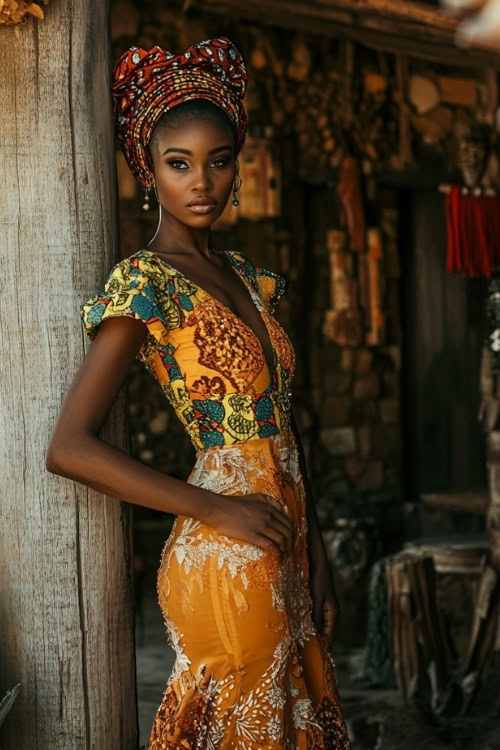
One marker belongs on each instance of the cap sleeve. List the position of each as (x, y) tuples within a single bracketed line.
[(132, 289), (271, 286)]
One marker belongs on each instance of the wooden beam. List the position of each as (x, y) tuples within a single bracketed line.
[(387, 25), (406, 11), (466, 501)]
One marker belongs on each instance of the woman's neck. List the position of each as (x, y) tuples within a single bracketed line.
[(173, 236)]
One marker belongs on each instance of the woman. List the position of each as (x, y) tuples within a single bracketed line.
[(244, 571)]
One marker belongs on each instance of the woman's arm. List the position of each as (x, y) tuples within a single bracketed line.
[(326, 607), (316, 547), (76, 451)]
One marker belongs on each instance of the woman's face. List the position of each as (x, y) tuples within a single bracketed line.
[(194, 167)]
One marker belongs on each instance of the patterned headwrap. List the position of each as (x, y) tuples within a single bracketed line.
[(146, 84)]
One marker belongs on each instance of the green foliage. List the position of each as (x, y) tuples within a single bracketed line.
[(7, 702)]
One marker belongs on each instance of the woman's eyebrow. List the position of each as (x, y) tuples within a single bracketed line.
[(190, 153)]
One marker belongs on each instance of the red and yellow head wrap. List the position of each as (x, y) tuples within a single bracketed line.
[(148, 84)]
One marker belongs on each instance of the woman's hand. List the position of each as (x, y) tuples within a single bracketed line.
[(253, 519), (326, 608)]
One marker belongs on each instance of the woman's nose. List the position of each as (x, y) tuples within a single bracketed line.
[(202, 180)]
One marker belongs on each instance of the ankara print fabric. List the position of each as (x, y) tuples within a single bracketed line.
[(251, 671), (209, 364)]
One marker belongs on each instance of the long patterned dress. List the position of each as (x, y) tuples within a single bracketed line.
[(251, 670)]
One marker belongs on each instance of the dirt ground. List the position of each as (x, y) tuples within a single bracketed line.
[(377, 719)]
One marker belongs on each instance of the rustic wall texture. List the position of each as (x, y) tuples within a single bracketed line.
[(315, 100)]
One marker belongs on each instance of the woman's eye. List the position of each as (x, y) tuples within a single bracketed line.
[(173, 162), (221, 162)]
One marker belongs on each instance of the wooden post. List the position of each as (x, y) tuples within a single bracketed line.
[(66, 608)]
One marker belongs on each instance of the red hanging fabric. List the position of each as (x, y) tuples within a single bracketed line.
[(473, 227)]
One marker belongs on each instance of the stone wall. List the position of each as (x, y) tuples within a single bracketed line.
[(313, 101)]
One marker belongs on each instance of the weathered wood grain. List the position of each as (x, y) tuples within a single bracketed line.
[(66, 613)]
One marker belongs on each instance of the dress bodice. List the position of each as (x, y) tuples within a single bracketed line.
[(209, 363)]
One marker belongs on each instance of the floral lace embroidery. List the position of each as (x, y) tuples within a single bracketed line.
[(193, 550)]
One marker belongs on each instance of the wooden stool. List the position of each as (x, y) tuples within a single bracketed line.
[(422, 647)]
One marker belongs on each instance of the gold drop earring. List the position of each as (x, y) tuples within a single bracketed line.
[(236, 188), (146, 205)]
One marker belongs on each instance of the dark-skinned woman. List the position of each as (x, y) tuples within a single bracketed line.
[(244, 584)]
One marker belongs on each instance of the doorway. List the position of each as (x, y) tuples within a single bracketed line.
[(442, 316)]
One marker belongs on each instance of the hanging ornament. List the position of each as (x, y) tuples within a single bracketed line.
[(473, 208)]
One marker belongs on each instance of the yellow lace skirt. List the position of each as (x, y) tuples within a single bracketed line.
[(251, 670)]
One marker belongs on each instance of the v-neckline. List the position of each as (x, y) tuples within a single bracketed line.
[(228, 310)]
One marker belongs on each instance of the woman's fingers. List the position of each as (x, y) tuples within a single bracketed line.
[(266, 542), (277, 538), (280, 522), (285, 520), (286, 530), (271, 502), (275, 527)]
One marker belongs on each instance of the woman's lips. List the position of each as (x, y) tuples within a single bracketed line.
[(200, 208)]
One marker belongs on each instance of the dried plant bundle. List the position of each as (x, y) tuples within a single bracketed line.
[(15, 11)]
